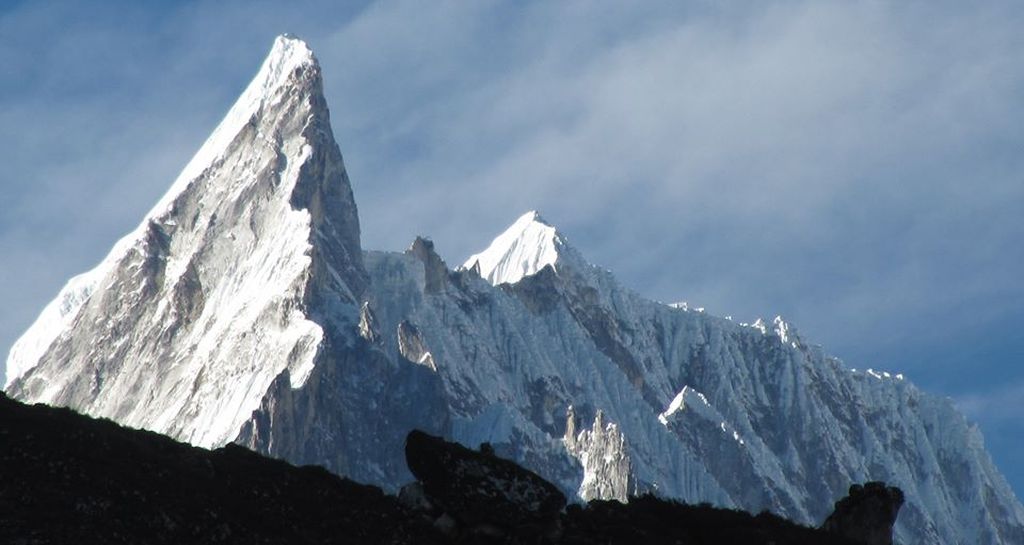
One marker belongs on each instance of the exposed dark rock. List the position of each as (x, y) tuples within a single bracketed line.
[(413, 497), (435, 270), (412, 346), (654, 521), (368, 323), (480, 490), (67, 478), (540, 292), (867, 514)]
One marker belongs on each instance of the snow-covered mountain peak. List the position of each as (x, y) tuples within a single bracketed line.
[(289, 72), (533, 216), (288, 53), (526, 247), (185, 324), (288, 60), (284, 99)]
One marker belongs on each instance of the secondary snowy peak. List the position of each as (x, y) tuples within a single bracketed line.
[(185, 324), (525, 248)]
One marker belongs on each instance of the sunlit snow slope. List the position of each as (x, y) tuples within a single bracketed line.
[(184, 325), (526, 247), (243, 309)]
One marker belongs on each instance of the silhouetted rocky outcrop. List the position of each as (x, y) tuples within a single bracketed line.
[(481, 493), (67, 478), (867, 514)]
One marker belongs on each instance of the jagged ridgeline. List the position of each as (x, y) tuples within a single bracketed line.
[(243, 309)]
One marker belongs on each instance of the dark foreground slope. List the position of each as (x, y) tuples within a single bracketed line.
[(67, 478)]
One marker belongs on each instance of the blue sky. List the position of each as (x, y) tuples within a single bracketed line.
[(855, 167)]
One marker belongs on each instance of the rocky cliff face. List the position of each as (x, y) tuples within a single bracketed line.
[(601, 450), (243, 309)]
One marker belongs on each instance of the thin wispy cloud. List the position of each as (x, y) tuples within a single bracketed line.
[(1003, 403), (1000, 413), (856, 159)]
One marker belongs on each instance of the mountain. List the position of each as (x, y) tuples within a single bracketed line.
[(244, 310), (211, 289), (525, 248)]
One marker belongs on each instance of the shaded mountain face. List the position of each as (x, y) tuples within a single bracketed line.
[(244, 310)]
